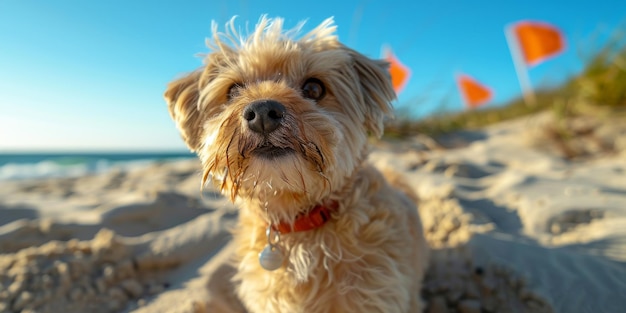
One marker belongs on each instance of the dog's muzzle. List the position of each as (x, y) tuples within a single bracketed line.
[(264, 116)]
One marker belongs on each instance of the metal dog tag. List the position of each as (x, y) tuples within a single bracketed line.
[(271, 258)]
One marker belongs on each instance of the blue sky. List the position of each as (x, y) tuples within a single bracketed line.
[(89, 75)]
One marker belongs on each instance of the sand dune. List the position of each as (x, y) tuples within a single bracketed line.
[(514, 227)]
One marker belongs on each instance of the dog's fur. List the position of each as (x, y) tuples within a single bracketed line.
[(371, 255)]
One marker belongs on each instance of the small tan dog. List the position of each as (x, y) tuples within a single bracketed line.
[(281, 125)]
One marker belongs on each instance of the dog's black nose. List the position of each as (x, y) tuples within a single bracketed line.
[(264, 116)]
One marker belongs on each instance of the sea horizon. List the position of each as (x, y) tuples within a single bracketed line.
[(18, 165)]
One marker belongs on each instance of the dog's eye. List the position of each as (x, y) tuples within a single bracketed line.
[(234, 91), (313, 89)]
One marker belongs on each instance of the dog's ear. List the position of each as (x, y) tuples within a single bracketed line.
[(182, 101), (377, 90)]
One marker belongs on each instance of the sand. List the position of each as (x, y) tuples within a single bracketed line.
[(518, 222)]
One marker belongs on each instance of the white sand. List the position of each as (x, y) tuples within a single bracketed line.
[(514, 228)]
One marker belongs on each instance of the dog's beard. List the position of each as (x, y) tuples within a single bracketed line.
[(244, 163)]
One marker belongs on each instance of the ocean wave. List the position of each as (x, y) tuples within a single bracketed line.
[(69, 168)]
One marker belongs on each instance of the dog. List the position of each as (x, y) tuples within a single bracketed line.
[(281, 123)]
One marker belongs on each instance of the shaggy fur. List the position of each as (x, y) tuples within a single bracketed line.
[(371, 255)]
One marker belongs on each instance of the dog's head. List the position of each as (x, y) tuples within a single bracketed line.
[(279, 115)]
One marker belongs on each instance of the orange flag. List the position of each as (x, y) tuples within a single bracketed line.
[(473, 93), (399, 72), (538, 41)]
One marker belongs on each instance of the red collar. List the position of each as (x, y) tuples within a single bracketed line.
[(317, 217)]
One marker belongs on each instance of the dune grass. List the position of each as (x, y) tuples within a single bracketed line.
[(600, 89)]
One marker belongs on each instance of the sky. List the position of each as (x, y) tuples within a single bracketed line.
[(90, 75)]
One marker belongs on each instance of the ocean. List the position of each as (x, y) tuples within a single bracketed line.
[(18, 166)]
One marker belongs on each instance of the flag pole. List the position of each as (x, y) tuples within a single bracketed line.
[(457, 81), (520, 67)]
